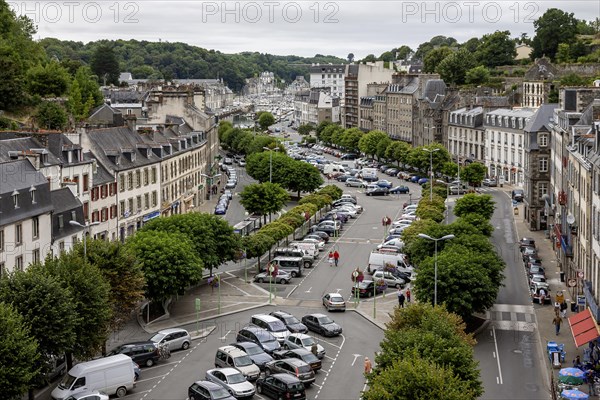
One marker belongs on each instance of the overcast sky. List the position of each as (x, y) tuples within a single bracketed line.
[(302, 28)]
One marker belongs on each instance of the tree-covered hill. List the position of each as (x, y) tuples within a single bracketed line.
[(183, 61)]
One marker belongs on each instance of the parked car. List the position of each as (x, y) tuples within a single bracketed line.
[(322, 324), (230, 184), (281, 386), (490, 182), (390, 279), (526, 242), (255, 352), (397, 243), (260, 336), (384, 183), (536, 269), (400, 190), (422, 181), (233, 357), (206, 390), (282, 277), (537, 279), (334, 301), (366, 288), (232, 380), (302, 341), (518, 195), (355, 182), (95, 395), (220, 210), (343, 177), (322, 235), (536, 297), (292, 323), (174, 338), (528, 251), (302, 354), (143, 353), (377, 191), (391, 171), (457, 189), (294, 367)]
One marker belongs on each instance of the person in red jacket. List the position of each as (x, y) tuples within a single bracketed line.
[(336, 257)]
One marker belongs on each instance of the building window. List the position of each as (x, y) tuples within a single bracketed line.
[(130, 201), (35, 227), (2, 270), (122, 182), (32, 193), (543, 139), (61, 246), (74, 240), (154, 199), (146, 201), (139, 203), (542, 188), (543, 164), (19, 263), (1, 240), (18, 234), (15, 197), (86, 182), (122, 206), (146, 177), (61, 222), (153, 174), (36, 256), (130, 181), (138, 178)]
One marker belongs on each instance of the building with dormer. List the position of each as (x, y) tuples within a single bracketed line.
[(538, 83)]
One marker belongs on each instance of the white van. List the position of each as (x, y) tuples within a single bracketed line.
[(271, 324), (333, 168), (310, 249), (369, 174), (379, 259), (112, 375)]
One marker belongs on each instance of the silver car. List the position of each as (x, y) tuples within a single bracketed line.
[(302, 341), (174, 338), (232, 380)]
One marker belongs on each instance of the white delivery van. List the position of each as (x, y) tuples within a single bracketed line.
[(378, 259), (369, 174), (333, 168), (309, 249), (112, 375)]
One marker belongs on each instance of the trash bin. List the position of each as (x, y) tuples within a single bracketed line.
[(573, 306), (562, 276)]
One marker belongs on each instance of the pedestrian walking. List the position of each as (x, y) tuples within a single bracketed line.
[(557, 321), (401, 298), (563, 309), (368, 366), (589, 375), (577, 362), (408, 295), (314, 349), (336, 257), (330, 258)]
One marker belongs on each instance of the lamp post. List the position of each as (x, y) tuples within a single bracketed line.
[(271, 150), (447, 237), (431, 171), (86, 228), (210, 181)]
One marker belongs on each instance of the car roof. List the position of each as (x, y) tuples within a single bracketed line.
[(231, 349), (294, 361), (208, 385), (226, 371), (299, 335), (318, 315), (171, 330), (333, 294), (287, 378), (136, 343), (281, 313), (245, 345)]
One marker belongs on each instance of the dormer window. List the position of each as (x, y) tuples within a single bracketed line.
[(15, 197), (32, 190)]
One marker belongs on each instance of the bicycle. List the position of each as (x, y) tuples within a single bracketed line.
[(164, 352)]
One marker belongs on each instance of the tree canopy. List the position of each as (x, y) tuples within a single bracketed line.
[(552, 28), (263, 198)]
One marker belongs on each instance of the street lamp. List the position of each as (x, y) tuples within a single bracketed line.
[(86, 228), (271, 150), (431, 171), (447, 237), (210, 181)]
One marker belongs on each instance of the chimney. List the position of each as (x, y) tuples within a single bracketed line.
[(130, 121)]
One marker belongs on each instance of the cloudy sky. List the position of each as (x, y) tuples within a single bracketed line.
[(290, 27)]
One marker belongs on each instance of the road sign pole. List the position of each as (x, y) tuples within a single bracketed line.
[(219, 289), (198, 304), (374, 300)]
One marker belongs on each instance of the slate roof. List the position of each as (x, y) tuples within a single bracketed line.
[(433, 89), (366, 101), (10, 142), (542, 119), (587, 116), (64, 200), (58, 144), (101, 176)]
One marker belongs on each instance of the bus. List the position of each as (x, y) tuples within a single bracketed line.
[(247, 226)]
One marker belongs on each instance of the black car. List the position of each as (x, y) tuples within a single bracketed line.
[(205, 390), (378, 191), (255, 352), (260, 336), (343, 177), (322, 324), (528, 251), (391, 171), (294, 367), (344, 201), (366, 288), (328, 229), (526, 242), (301, 354), (532, 259), (349, 156), (281, 386), (143, 353), (292, 323), (518, 195), (400, 190), (536, 269), (334, 216), (322, 235)]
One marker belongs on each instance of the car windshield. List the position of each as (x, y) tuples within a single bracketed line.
[(219, 393), (157, 338), (242, 361), (277, 326), (265, 337), (309, 358), (235, 378), (304, 368), (324, 320), (66, 382), (337, 299), (253, 350), (296, 387), (291, 320), (307, 341)]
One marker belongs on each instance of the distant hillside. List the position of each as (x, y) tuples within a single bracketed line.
[(179, 60)]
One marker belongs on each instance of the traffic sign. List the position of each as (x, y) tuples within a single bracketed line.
[(580, 274), (572, 282)]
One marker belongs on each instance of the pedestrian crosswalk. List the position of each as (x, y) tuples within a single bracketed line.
[(512, 317)]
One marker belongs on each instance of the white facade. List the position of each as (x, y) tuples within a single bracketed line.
[(466, 135), (329, 76)]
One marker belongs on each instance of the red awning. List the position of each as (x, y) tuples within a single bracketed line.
[(583, 327)]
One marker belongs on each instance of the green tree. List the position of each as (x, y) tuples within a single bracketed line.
[(403, 52), (328, 132), (351, 138), (169, 263), (477, 76), (212, 237), (84, 94), (474, 173), (51, 115), (350, 58), (382, 147), (50, 80), (369, 142), (19, 361), (435, 335), (321, 126), (105, 65), (265, 120), (302, 177), (90, 294), (453, 69), (123, 274), (398, 151), (263, 198), (434, 58), (47, 307), (481, 204), (572, 79), (552, 28), (496, 49), (416, 378), (305, 129), (260, 165), (472, 44)]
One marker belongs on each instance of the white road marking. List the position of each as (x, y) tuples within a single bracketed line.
[(355, 357), (497, 357), (225, 335), (308, 291)]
